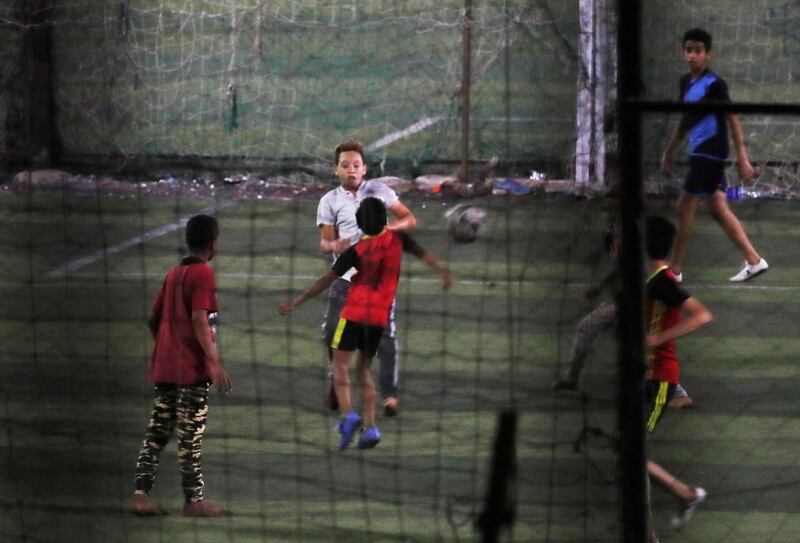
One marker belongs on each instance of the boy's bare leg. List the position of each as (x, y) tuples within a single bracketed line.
[(687, 207), (676, 487), (368, 393), (341, 380), (719, 209)]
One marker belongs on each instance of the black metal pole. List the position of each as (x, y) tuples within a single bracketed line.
[(507, 77), (466, 80), (45, 144), (630, 330), (500, 507)]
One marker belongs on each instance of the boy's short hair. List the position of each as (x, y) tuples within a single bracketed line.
[(371, 216), (201, 231), (698, 34), (659, 237), (350, 145)]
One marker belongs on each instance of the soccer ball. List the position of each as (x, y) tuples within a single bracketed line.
[(464, 222)]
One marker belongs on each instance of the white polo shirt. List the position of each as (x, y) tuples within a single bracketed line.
[(338, 208)]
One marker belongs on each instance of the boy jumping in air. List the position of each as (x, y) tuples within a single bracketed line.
[(336, 219), (376, 258)]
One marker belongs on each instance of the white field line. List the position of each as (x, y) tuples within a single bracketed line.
[(392, 137), (417, 279), (425, 122), (69, 267), (266, 277)]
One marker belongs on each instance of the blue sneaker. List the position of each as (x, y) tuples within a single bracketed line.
[(370, 436), (347, 429)]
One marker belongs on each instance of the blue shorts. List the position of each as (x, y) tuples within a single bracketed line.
[(705, 176)]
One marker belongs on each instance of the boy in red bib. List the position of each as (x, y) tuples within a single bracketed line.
[(377, 258)]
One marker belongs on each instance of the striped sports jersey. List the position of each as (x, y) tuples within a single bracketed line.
[(664, 301)]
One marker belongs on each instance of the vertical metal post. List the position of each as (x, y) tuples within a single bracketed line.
[(44, 141), (501, 496), (630, 331), (599, 91), (466, 80), (507, 76), (584, 118)]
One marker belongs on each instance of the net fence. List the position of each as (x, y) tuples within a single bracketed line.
[(265, 81), (212, 88), (754, 49), (75, 403)]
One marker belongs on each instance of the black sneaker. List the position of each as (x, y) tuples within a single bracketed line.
[(391, 406)]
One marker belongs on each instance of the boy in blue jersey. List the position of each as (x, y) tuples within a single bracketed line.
[(708, 152)]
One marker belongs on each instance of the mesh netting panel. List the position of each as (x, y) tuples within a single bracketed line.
[(755, 49)]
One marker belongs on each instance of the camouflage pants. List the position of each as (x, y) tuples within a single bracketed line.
[(184, 409)]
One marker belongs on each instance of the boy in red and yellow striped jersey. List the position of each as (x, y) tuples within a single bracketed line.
[(671, 313)]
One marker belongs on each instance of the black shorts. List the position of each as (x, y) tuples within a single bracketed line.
[(705, 176), (352, 336), (656, 396)]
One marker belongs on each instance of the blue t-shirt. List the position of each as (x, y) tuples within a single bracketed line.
[(707, 132)]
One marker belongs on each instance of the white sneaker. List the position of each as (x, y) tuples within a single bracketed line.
[(750, 271), (687, 509)]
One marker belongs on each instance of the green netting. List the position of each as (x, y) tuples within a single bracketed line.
[(289, 78), (756, 47)]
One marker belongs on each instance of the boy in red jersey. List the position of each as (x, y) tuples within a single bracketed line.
[(336, 219), (185, 360), (671, 313), (376, 257)]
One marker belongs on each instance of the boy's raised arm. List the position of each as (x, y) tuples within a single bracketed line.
[(317, 287), (445, 275), (404, 218), (329, 243), (410, 245)]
